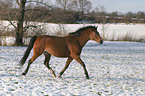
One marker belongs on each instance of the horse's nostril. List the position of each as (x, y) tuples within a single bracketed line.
[(101, 42)]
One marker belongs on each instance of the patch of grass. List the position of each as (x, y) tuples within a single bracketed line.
[(129, 37), (15, 82), (12, 89), (99, 93)]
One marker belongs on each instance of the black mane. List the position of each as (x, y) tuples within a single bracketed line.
[(81, 29)]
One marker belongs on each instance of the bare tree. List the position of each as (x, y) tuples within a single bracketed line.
[(20, 18), (63, 10), (19, 28), (140, 15), (82, 6), (63, 4), (100, 13)]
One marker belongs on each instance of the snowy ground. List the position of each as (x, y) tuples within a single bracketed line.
[(115, 68)]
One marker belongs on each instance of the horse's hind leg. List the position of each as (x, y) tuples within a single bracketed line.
[(36, 53), (69, 60), (29, 63), (46, 62)]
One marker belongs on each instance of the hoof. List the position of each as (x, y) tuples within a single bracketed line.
[(23, 73), (87, 77)]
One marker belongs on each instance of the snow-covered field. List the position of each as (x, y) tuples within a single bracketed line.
[(115, 68)]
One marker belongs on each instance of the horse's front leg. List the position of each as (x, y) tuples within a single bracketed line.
[(69, 60), (78, 59)]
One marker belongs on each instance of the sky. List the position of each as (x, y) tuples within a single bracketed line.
[(123, 6)]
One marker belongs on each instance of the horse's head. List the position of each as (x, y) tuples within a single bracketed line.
[(95, 35)]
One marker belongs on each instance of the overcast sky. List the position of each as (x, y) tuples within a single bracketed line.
[(123, 6)]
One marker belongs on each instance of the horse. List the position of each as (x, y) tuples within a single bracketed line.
[(69, 46)]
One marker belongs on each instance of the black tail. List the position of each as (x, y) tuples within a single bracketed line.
[(27, 52)]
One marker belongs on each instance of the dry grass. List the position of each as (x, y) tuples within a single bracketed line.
[(130, 37), (127, 37)]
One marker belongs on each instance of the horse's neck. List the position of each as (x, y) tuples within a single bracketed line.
[(83, 39)]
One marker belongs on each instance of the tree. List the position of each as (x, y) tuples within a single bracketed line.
[(101, 13), (140, 15), (128, 17), (20, 28), (82, 6), (63, 4), (61, 11), (64, 11), (19, 14), (5, 7)]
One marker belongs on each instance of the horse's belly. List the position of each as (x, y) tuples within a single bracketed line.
[(61, 51), (57, 47)]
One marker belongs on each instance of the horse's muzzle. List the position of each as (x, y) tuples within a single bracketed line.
[(101, 42)]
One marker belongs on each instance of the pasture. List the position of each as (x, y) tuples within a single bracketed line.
[(115, 68)]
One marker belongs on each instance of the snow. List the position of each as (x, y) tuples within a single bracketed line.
[(115, 68)]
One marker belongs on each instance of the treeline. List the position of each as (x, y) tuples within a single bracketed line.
[(118, 17), (67, 11)]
